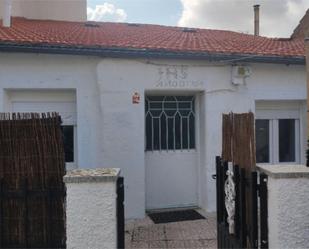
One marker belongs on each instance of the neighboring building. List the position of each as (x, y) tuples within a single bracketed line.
[(302, 29), (65, 10), (149, 99), (302, 32)]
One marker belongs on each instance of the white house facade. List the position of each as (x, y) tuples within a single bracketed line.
[(159, 119), (149, 99)]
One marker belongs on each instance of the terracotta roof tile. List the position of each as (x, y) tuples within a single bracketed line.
[(145, 36)]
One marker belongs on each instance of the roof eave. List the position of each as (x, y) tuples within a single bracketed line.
[(148, 53)]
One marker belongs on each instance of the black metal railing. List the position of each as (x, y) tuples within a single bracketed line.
[(120, 214)]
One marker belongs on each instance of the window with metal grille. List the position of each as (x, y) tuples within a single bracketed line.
[(170, 122)]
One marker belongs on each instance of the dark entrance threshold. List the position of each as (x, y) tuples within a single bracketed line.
[(175, 216)]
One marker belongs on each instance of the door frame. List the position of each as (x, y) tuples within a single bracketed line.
[(198, 126)]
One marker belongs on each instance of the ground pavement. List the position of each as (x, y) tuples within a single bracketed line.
[(186, 234)]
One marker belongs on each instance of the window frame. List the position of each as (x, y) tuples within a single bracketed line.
[(42, 100), (274, 116)]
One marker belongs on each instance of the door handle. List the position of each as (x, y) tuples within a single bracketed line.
[(214, 176)]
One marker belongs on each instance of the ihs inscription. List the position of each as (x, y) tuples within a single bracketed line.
[(176, 77)]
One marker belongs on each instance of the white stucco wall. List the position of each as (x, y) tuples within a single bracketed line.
[(110, 129), (119, 79), (288, 213), (91, 212), (78, 74), (288, 200)]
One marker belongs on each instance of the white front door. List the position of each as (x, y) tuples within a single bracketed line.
[(171, 155)]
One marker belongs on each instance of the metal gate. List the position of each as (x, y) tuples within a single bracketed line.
[(120, 214), (241, 207)]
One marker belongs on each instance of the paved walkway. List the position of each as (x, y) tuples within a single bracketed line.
[(186, 234)]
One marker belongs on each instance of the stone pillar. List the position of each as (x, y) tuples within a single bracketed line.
[(288, 205), (91, 208)]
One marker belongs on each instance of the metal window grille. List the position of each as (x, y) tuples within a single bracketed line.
[(170, 122)]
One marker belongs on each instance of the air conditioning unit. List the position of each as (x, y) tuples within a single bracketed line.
[(239, 73)]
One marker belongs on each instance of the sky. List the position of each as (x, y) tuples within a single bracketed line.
[(278, 18)]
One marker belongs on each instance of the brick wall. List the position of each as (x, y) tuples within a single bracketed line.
[(302, 29), (307, 69)]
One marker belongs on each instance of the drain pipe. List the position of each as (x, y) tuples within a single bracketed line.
[(256, 19), (6, 15)]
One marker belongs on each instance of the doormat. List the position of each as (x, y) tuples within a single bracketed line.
[(175, 216)]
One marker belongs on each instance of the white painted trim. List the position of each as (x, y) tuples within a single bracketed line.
[(275, 141), (297, 141), (277, 114), (277, 104), (303, 132), (198, 145), (61, 95)]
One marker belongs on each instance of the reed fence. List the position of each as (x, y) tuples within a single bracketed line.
[(238, 139), (32, 193)]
